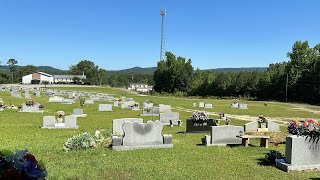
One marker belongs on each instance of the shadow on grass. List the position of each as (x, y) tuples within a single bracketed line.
[(264, 162)]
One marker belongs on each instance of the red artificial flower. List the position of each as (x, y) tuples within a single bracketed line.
[(304, 125), (30, 157), (318, 123), (12, 173), (311, 121)]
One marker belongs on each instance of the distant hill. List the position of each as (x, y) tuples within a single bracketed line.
[(46, 69), (135, 70), (250, 69), (148, 70)]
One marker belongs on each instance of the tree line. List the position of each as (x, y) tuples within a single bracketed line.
[(94, 74), (296, 80)]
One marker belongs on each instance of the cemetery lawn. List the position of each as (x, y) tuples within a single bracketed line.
[(186, 160)]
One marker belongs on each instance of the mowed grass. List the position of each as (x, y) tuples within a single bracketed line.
[(186, 160)]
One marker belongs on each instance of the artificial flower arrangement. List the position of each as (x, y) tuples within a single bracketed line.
[(30, 102), (307, 127), (20, 165), (60, 114), (200, 117)]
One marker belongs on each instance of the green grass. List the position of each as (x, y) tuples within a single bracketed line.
[(187, 160)]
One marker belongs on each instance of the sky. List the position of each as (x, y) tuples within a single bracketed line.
[(119, 34)]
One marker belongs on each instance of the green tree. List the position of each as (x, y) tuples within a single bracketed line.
[(87, 68), (173, 74), (45, 83), (25, 70), (12, 64)]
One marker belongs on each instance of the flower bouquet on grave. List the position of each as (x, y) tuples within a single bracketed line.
[(307, 128), (41, 106), (30, 102), (20, 165), (60, 114), (200, 117), (227, 121)]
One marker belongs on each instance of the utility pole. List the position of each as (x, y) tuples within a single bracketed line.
[(287, 88), (162, 13)]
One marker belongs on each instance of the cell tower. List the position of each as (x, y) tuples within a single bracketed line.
[(162, 53)]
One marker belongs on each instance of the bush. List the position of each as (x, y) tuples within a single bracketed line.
[(86, 141)]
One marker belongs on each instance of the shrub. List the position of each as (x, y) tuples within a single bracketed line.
[(86, 141)]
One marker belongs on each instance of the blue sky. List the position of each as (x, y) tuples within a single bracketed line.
[(121, 34)]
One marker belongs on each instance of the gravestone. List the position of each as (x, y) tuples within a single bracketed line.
[(56, 99), (194, 105), (273, 127), (88, 101), (105, 107), (67, 101), (302, 153), (164, 108), (235, 105), (194, 127), (36, 93), (118, 123), (224, 135), (136, 108), (32, 109), (71, 95), (116, 103), (208, 106), (165, 118), (142, 136), (15, 94), (27, 95), (243, 106), (70, 122), (201, 104), (78, 113), (154, 111), (147, 105), (251, 127), (255, 127), (49, 122)]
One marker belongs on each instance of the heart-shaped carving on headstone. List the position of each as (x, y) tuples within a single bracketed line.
[(142, 128)]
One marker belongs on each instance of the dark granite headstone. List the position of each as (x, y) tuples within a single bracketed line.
[(192, 127)]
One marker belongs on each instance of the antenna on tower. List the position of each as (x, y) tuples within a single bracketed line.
[(162, 45)]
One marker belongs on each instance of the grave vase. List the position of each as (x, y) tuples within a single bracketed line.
[(59, 120), (262, 125)]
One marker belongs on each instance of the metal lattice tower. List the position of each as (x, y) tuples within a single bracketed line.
[(162, 46)]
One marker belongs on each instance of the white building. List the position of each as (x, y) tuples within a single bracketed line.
[(37, 78), (67, 78), (139, 87)]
